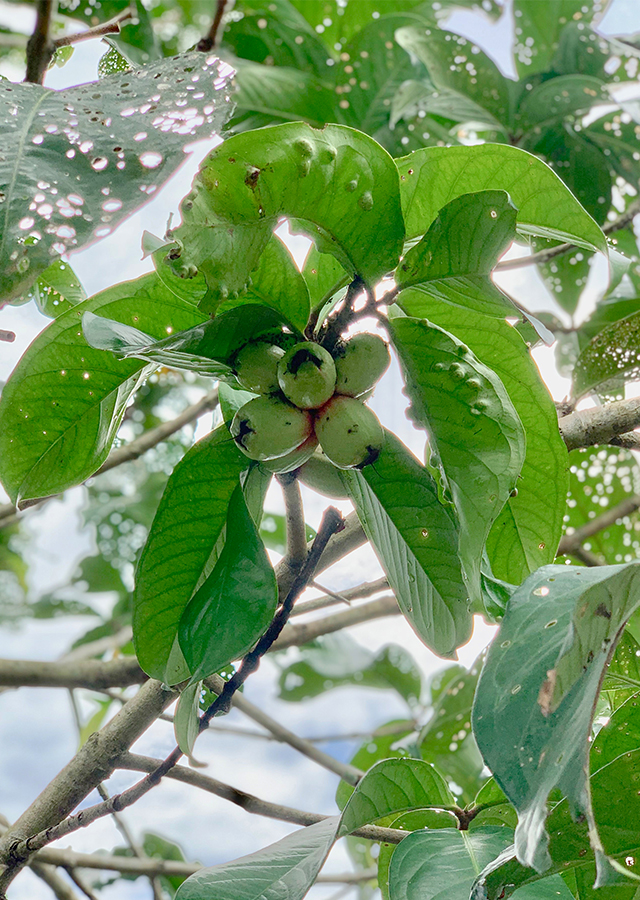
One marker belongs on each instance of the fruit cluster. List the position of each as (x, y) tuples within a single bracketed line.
[(308, 397)]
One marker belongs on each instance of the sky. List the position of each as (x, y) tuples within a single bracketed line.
[(212, 829)]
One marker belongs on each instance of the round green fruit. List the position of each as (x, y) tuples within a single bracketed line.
[(360, 363), (267, 428), (307, 375), (256, 366), (293, 460), (349, 432)]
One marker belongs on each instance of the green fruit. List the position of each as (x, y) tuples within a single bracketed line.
[(307, 375), (267, 428), (360, 363), (293, 460), (321, 475), (256, 366), (349, 432)]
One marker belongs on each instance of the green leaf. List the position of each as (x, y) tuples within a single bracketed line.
[(324, 276), (455, 64), (415, 97), (283, 93), (557, 98), (283, 871), (619, 141), (183, 536), (466, 238), (397, 502), (57, 290), (336, 660), (349, 18), (186, 718), (236, 603), (431, 178), (64, 147), (535, 698), (566, 275), (447, 739), (63, 404), (611, 355), (339, 182), (432, 865), (539, 27), (581, 164), (527, 531), (416, 820), (474, 430), (392, 786), (277, 283), (273, 527)]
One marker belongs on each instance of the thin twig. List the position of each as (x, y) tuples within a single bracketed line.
[(135, 449), (19, 852), (84, 887), (586, 557), (367, 589), (7, 336), (110, 27), (215, 32), (571, 542), (40, 47), (304, 632)]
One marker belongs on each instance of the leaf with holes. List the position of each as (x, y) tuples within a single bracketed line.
[(536, 695), (283, 871), (475, 433), (392, 786), (416, 540), (432, 177), (611, 355), (527, 531), (176, 558), (62, 406), (78, 162), (237, 601), (339, 182), (57, 290), (540, 29)]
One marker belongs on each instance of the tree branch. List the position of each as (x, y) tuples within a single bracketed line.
[(294, 635), (40, 47), (294, 516), (367, 589), (215, 33), (571, 542), (588, 427), (133, 450), (110, 27), (17, 851)]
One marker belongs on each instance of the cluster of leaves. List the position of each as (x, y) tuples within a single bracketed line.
[(474, 529)]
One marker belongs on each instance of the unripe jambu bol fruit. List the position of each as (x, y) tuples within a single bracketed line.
[(349, 432), (307, 375), (256, 366), (268, 427), (360, 363)]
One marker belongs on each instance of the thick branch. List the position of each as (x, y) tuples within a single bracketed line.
[(294, 516), (588, 427), (135, 449), (40, 47), (92, 674)]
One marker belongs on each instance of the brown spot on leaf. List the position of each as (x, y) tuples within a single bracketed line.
[(251, 178), (603, 611)]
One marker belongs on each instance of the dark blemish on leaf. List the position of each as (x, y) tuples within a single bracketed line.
[(603, 611), (232, 159), (251, 178)]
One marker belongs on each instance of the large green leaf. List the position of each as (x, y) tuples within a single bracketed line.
[(416, 540), (455, 64), (57, 290), (431, 178), (392, 786), (389, 740), (338, 181), (78, 162), (337, 659), (474, 430), (283, 871), (527, 531), (536, 695), (557, 98), (612, 354), (284, 94), (237, 601), (415, 820), (62, 406), (347, 19), (466, 238), (277, 283), (183, 536)]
